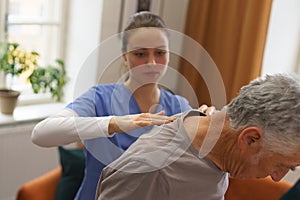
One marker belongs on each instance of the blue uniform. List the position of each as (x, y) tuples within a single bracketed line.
[(113, 99)]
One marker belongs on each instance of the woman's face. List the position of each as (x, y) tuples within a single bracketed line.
[(147, 55)]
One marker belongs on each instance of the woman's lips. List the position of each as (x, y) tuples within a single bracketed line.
[(151, 73)]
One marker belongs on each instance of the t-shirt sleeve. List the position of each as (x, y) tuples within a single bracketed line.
[(84, 105), (184, 103), (123, 185)]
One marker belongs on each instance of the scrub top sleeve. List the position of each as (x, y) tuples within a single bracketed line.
[(184, 103), (85, 105)]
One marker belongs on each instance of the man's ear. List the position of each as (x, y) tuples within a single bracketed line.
[(250, 137)]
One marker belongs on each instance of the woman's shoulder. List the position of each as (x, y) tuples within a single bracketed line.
[(174, 102), (170, 94), (108, 87)]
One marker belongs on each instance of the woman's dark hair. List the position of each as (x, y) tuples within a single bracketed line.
[(140, 20)]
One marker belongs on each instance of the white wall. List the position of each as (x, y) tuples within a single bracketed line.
[(172, 11), (20, 159), (282, 52), (83, 36)]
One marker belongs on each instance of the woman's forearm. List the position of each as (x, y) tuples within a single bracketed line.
[(67, 127)]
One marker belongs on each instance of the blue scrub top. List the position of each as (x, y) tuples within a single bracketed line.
[(113, 99)]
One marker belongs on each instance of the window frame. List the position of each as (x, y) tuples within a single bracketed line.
[(61, 24)]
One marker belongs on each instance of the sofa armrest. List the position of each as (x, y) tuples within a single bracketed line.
[(42, 187), (258, 189)]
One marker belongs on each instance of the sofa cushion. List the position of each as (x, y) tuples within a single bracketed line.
[(256, 189), (73, 165), (43, 187)]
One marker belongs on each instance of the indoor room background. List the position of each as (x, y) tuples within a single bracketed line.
[(244, 38)]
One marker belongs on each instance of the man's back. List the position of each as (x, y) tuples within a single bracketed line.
[(163, 164)]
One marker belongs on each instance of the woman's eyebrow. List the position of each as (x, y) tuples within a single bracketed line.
[(145, 48)]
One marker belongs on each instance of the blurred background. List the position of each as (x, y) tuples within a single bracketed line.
[(244, 39)]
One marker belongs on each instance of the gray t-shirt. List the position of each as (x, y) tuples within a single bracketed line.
[(163, 165)]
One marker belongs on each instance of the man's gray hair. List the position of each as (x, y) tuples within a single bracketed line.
[(271, 103)]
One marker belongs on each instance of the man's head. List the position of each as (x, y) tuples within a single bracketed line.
[(266, 116)]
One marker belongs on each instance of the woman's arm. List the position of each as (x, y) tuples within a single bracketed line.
[(126, 123), (67, 127)]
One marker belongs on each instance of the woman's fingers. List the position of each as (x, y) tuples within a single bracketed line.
[(131, 122), (207, 110), (210, 110), (160, 113), (203, 108), (148, 119)]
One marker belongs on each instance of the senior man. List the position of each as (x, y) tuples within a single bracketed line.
[(256, 135)]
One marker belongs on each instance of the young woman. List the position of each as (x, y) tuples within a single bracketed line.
[(108, 118)]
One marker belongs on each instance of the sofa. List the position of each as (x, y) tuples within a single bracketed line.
[(41, 188), (54, 184)]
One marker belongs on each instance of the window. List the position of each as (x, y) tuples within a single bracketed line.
[(37, 25)]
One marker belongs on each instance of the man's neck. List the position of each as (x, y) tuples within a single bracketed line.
[(205, 133)]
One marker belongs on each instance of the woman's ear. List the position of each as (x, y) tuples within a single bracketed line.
[(250, 137), (125, 61), (124, 57)]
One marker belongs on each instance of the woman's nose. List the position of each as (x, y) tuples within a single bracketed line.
[(151, 59)]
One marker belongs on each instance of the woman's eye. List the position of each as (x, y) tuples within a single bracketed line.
[(139, 54), (161, 53)]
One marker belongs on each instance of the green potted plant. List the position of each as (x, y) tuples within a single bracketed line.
[(50, 79), (14, 61)]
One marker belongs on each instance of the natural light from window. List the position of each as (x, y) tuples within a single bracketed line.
[(37, 25)]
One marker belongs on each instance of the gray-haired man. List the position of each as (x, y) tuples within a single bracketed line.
[(256, 135)]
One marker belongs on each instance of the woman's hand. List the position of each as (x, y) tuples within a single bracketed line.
[(121, 124), (207, 110), (126, 123)]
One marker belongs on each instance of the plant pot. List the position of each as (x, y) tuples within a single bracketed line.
[(8, 100)]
